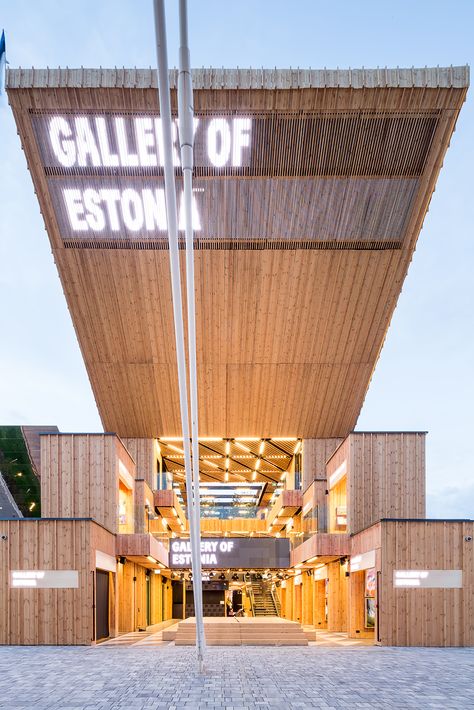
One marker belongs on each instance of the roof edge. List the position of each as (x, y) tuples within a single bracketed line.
[(213, 78)]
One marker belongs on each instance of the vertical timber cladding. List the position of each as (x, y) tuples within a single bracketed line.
[(80, 475), (427, 617), (53, 616), (385, 474), (143, 452)]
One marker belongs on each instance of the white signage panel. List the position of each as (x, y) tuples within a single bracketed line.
[(44, 579), (320, 573), (428, 579), (364, 561), (105, 561)]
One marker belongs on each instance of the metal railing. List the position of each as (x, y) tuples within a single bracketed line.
[(252, 599), (276, 600)]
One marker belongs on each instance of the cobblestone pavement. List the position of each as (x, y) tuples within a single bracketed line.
[(235, 678)]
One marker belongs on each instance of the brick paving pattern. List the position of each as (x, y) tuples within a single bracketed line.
[(128, 678)]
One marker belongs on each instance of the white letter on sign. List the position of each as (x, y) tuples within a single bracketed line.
[(75, 210), (218, 142), (241, 139), (60, 136)]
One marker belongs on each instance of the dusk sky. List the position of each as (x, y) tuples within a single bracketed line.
[(424, 378)]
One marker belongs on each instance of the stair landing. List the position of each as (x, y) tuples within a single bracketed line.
[(243, 631)]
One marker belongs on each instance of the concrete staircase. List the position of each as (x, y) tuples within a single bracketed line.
[(243, 631)]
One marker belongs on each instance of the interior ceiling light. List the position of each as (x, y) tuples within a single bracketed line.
[(210, 463), (175, 448), (241, 446)]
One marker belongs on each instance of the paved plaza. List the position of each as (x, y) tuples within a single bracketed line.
[(244, 677)]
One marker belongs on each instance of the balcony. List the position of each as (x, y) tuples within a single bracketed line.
[(143, 549), (287, 505)]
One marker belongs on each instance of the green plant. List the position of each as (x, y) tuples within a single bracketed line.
[(17, 471)]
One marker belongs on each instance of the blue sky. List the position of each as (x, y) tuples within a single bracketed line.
[(424, 379)]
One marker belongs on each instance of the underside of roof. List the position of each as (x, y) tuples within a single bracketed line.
[(311, 187)]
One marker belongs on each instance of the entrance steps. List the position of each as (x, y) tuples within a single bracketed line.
[(243, 631)]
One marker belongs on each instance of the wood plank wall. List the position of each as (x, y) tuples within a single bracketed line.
[(386, 478), (427, 617), (80, 474), (49, 616), (143, 452), (316, 452)]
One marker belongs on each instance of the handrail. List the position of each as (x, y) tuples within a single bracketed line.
[(252, 600), (276, 601)]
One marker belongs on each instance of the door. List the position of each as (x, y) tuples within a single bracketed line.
[(102, 604)]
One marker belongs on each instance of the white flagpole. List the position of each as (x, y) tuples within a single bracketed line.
[(186, 136), (171, 211)]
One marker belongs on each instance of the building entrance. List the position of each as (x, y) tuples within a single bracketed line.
[(102, 604)]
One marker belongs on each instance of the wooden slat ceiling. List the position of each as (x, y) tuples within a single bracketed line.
[(299, 263), (235, 461)]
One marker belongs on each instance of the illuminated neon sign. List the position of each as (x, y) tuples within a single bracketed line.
[(232, 552), (104, 171), (137, 141), (126, 152)]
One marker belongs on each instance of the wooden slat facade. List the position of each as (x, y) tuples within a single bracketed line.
[(144, 453), (50, 616), (253, 379), (80, 476), (316, 453), (427, 617), (385, 477)]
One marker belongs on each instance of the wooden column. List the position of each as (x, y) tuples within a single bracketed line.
[(319, 604), (297, 599), (337, 597), (307, 600)]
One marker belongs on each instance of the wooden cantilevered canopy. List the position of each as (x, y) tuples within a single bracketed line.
[(311, 192)]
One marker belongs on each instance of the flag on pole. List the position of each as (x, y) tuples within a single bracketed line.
[(3, 62)]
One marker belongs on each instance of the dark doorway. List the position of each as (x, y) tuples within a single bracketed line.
[(102, 604)]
